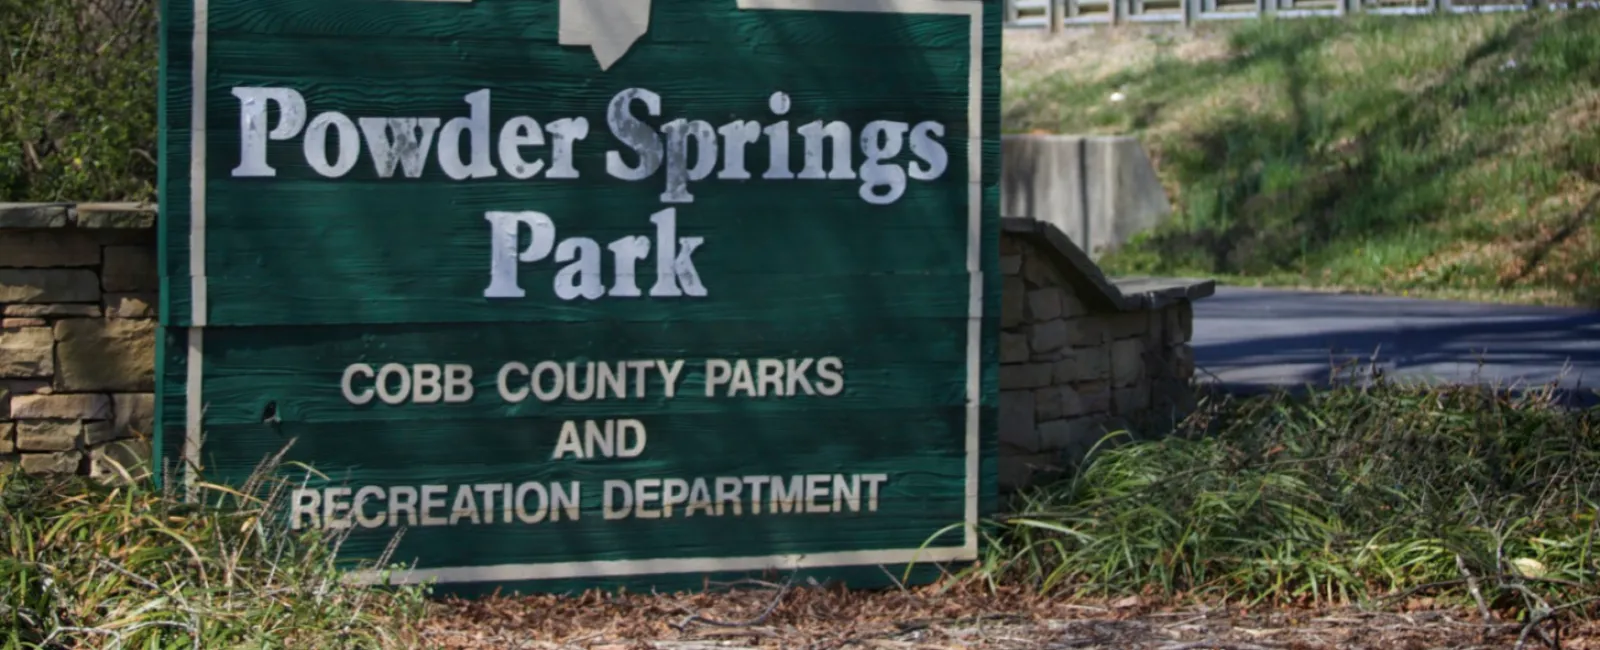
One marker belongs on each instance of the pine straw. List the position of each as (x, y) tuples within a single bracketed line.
[(768, 616)]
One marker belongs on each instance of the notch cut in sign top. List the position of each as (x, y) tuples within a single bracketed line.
[(608, 27)]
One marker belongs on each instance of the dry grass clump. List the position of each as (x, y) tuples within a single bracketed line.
[(84, 565)]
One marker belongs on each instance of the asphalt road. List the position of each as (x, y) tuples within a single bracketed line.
[(1247, 338)]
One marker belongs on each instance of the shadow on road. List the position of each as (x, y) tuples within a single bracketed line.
[(1254, 339)]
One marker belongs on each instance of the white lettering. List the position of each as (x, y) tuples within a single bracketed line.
[(427, 383), (396, 140), (565, 132), (502, 382), (581, 278), (679, 133), (306, 503), (345, 384), (520, 131), (477, 125), (336, 508), (630, 438), (880, 141), (683, 149), (836, 133), (464, 507), (397, 394), (364, 495), (429, 503), (503, 255), (253, 132), (532, 502), (675, 272), (931, 151), (830, 368), (457, 383), (568, 442), (520, 502), (644, 491), (637, 135), (611, 508), (316, 144)]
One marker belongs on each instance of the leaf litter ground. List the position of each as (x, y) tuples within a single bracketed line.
[(760, 615)]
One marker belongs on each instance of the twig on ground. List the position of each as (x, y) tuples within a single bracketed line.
[(1215, 645), (1502, 578), (1537, 614), (1477, 594), (782, 591), (897, 582)]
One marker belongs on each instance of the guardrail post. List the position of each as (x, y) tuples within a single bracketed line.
[(1056, 13), (1191, 9), (1119, 11)]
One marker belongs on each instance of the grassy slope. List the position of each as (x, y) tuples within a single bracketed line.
[(1451, 156)]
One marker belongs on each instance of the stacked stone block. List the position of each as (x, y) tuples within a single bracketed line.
[(1074, 369), (78, 291)]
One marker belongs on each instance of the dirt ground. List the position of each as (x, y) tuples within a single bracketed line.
[(762, 615)]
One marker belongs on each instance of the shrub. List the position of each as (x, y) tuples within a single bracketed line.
[(79, 117)]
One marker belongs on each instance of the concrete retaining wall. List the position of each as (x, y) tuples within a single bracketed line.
[(1099, 190)]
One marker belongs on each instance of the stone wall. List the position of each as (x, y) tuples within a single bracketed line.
[(1080, 354), (1083, 356), (78, 296)]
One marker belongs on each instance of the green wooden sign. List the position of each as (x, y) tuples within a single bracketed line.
[(576, 291)]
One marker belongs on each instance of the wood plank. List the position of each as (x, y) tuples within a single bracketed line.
[(670, 23)]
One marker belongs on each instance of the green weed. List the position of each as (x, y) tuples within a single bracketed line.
[(86, 565), (1346, 496)]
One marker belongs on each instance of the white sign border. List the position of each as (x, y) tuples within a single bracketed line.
[(194, 404)]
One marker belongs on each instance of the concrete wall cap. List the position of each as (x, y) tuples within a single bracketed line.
[(1123, 294), (136, 216)]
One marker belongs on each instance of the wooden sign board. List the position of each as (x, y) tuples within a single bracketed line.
[(585, 290)]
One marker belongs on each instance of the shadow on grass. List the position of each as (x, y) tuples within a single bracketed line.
[(1382, 180), (1393, 159)]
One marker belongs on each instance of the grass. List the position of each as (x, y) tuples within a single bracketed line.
[(85, 565), (1454, 156), (1356, 495), (1376, 495)]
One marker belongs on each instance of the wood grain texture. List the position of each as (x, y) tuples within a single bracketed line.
[(670, 23), (306, 274)]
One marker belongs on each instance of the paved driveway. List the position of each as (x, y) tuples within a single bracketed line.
[(1253, 338)]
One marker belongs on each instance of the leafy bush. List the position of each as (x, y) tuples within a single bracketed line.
[(84, 565), (79, 82)]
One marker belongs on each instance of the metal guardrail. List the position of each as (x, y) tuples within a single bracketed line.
[(1056, 14)]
